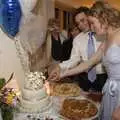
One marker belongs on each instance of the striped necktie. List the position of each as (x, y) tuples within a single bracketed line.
[(91, 51)]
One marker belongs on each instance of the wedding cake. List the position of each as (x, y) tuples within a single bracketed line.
[(33, 96)]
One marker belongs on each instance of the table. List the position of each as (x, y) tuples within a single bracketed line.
[(54, 110), (51, 113)]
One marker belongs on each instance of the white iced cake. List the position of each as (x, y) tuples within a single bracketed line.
[(33, 96)]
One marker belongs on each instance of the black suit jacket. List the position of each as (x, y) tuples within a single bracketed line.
[(61, 52)]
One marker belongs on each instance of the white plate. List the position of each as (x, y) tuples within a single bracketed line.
[(59, 102)]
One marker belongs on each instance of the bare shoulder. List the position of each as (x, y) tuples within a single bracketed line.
[(116, 38)]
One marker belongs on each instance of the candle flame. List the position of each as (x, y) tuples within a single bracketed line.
[(47, 86)]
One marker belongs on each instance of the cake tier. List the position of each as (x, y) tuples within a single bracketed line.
[(38, 106), (32, 95)]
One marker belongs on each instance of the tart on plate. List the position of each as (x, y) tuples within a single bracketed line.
[(65, 89), (78, 109)]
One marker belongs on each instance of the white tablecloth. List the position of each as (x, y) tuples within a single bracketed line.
[(51, 113)]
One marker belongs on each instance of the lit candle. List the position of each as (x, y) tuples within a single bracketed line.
[(47, 86)]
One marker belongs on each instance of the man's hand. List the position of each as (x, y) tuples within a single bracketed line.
[(116, 114), (54, 74)]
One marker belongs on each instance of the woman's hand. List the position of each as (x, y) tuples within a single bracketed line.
[(64, 74), (54, 74)]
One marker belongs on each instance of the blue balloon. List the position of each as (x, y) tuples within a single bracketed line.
[(0, 13), (11, 16)]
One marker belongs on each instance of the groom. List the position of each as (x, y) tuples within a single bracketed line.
[(82, 50)]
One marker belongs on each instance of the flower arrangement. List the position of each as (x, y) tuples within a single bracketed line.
[(9, 97), (2, 83), (8, 101)]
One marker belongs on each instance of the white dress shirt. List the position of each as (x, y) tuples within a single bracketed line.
[(79, 52)]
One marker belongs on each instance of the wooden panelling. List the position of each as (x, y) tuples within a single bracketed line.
[(63, 6), (78, 3)]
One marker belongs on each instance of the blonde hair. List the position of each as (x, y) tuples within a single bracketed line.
[(106, 13)]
